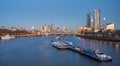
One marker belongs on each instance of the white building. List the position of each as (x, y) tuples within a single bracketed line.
[(32, 28), (110, 26)]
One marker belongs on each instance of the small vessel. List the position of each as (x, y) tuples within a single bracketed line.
[(91, 53), (59, 37), (6, 37), (60, 45), (68, 42)]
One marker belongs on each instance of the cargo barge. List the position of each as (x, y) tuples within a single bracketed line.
[(91, 53), (97, 55)]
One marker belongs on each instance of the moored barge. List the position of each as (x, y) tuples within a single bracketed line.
[(88, 52), (91, 53)]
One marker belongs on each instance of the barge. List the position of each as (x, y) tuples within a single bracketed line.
[(91, 53), (95, 54)]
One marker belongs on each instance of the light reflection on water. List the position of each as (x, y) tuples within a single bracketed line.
[(115, 44)]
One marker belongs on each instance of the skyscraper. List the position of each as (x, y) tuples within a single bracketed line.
[(90, 20), (96, 19)]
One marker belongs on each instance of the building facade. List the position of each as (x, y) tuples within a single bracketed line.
[(96, 19), (110, 26), (88, 19)]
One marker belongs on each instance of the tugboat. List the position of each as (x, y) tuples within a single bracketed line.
[(60, 45), (93, 54), (102, 56)]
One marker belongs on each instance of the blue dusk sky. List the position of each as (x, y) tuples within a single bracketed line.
[(70, 13)]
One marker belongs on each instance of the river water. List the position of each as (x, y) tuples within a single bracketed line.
[(38, 51)]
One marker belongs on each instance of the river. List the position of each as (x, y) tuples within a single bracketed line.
[(38, 51)]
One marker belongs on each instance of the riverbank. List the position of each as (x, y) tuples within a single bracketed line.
[(100, 38), (29, 35)]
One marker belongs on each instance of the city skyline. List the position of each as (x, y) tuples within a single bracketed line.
[(27, 13)]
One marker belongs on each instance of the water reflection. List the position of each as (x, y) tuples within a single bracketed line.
[(115, 44)]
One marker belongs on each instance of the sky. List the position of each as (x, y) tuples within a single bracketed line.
[(70, 13)]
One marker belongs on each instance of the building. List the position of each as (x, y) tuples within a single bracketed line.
[(91, 22), (64, 29), (3, 27), (110, 26), (32, 28), (44, 29), (83, 29), (96, 19), (50, 28), (13, 29), (88, 19)]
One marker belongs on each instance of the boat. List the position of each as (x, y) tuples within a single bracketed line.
[(95, 54), (60, 45), (91, 53), (6, 37), (60, 37), (68, 42)]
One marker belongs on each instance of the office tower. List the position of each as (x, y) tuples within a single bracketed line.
[(96, 19), (88, 19)]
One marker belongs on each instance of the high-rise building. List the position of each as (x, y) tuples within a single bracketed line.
[(88, 19), (91, 22), (96, 19)]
